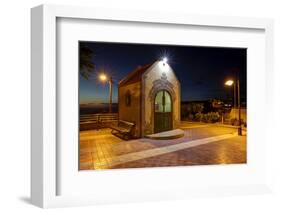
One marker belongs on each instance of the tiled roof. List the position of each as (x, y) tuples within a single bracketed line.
[(135, 75)]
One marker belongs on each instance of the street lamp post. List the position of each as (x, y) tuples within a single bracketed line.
[(236, 85), (104, 78), (239, 108), (110, 94)]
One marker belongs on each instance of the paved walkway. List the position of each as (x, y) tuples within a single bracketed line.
[(101, 150)]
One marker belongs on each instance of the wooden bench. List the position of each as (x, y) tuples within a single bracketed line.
[(124, 128)]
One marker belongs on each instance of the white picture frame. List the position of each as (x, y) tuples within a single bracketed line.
[(44, 148)]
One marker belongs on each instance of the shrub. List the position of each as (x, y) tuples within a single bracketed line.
[(198, 116), (190, 116), (205, 117), (211, 117), (189, 110), (214, 117)]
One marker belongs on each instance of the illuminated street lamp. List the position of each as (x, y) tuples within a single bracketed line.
[(230, 83), (104, 78)]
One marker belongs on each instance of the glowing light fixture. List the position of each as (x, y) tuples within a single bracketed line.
[(163, 64), (165, 60), (103, 77), (229, 83)]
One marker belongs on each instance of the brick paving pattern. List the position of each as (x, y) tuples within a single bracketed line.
[(101, 150)]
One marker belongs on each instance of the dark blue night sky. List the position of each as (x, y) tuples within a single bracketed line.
[(202, 71)]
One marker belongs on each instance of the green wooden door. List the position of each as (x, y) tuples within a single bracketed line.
[(162, 112)]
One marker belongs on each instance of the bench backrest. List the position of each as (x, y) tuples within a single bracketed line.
[(126, 124), (108, 117)]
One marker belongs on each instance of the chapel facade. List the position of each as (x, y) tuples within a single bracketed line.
[(150, 97)]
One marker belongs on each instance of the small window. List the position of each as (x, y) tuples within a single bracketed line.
[(128, 98)]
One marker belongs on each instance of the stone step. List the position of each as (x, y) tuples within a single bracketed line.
[(167, 135)]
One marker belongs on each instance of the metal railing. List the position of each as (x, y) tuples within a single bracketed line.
[(97, 121)]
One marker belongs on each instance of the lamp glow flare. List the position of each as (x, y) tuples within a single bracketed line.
[(103, 77), (229, 83)]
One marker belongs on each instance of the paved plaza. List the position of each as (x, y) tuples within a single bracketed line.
[(202, 144)]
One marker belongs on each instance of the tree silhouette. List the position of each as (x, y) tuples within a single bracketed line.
[(86, 66)]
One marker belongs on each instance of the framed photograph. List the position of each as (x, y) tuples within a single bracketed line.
[(129, 106)]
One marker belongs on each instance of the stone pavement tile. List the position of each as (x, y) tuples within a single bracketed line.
[(85, 165), (207, 154), (84, 150), (160, 150), (105, 147), (85, 157)]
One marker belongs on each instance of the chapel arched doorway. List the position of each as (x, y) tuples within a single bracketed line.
[(163, 111)]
